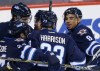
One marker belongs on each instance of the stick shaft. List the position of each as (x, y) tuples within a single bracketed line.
[(50, 5), (40, 62)]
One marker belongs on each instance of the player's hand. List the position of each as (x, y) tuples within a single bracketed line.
[(38, 55), (53, 61)]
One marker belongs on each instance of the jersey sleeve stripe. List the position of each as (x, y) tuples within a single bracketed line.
[(89, 48), (78, 63), (23, 51), (31, 53), (93, 48)]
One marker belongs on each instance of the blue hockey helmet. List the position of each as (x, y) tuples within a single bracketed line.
[(39, 14), (48, 19), (73, 10), (19, 27), (21, 10)]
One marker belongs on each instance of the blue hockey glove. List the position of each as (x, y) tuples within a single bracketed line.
[(53, 61), (38, 55)]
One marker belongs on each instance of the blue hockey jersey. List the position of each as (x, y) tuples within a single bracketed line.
[(61, 44), (85, 40), (17, 48)]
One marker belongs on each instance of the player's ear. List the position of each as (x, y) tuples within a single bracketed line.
[(78, 19)]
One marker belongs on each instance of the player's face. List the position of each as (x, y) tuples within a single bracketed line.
[(71, 21), (26, 19), (22, 36), (37, 25)]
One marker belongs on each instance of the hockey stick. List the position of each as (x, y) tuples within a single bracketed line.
[(95, 56), (40, 62), (50, 5)]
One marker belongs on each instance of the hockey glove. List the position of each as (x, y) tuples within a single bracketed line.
[(53, 61), (38, 55)]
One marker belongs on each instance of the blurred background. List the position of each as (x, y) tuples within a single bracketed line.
[(90, 10), (33, 2)]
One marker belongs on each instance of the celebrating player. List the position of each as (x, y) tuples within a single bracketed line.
[(61, 44), (20, 12), (21, 15), (82, 35), (18, 48)]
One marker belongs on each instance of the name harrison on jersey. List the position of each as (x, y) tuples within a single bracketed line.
[(54, 39)]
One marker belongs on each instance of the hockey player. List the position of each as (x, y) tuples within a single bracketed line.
[(82, 35), (37, 20), (17, 48), (61, 44), (20, 12)]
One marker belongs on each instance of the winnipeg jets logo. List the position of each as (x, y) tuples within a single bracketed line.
[(82, 32)]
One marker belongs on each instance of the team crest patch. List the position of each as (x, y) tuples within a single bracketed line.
[(82, 32)]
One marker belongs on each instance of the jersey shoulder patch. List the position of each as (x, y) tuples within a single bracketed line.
[(82, 32)]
